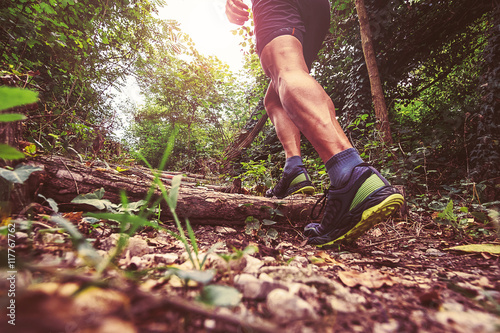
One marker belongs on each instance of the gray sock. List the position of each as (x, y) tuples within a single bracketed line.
[(340, 166), (291, 163)]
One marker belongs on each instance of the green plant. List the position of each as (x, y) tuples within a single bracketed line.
[(256, 175), (13, 97), (255, 227), (235, 256)]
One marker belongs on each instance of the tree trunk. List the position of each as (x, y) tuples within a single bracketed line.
[(246, 136), (371, 65), (63, 179)]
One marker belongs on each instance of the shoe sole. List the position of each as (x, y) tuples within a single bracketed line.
[(304, 190), (370, 218)]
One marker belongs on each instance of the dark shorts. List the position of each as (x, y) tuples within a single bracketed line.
[(307, 20)]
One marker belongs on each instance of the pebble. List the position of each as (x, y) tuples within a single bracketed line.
[(434, 253), (253, 265), (225, 230), (138, 246), (254, 288), (349, 256), (286, 307), (21, 235), (467, 321), (162, 258), (299, 261)]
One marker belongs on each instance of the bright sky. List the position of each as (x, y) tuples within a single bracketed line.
[(206, 22)]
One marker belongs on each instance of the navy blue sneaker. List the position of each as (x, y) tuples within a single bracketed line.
[(350, 211), (297, 181)]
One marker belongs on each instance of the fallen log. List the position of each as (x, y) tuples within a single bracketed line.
[(62, 179)]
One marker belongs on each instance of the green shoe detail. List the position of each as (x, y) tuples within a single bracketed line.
[(369, 186), (370, 218), (292, 183)]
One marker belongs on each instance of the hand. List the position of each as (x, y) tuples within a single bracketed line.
[(236, 11)]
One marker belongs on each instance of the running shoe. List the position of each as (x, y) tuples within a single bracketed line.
[(297, 181), (364, 201)]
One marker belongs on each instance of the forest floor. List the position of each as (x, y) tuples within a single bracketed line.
[(401, 276)]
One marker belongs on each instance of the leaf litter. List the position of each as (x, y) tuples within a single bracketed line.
[(378, 284)]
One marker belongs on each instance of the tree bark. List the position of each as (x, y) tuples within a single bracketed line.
[(373, 73), (63, 179), (246, 136)]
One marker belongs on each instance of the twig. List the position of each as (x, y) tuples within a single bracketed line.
[(391, 240), (180, 305), (76, 184)]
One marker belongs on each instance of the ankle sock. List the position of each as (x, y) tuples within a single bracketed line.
[(340, 166), (292, 163)]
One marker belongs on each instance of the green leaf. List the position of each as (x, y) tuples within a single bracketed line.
[(85, 250), (10, 153), (97, 194), (272, 233), (9, 117), (477, 248), (218, 295), (173, 194), (11, 97), (95, 199), (268, 222), (20, 174), (124, 218), (252, 223), (447, 213), (203, 277), (52, 203)]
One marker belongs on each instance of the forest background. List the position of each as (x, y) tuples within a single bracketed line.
[(439, 65)]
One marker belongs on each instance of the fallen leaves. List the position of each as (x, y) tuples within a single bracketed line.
[(372, 279), (477, 248)]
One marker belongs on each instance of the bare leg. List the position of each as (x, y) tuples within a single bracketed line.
[(288, 133), (303, 99)]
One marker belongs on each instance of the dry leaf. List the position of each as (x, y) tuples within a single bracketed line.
[(477, 248), (322, 259), (370, 279)]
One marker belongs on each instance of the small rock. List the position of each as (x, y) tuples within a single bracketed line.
[(249, 286), (48, 259), (21, 236), (110, 242), (254, 288), (287, 307), (225, 230), (253, 265), (299, 261), (391, 326), (268, 260), (349, 256), (138, 263), (468, 321), (434, 253), (138, 246), (265, 277), (165, 258), (52, 238), (340, 305)]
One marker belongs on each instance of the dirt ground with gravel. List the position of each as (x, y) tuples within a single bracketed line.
[(401, 276)]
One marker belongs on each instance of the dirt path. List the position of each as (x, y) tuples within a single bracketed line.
[(399, 277)]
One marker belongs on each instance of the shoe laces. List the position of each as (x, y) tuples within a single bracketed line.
[(321, 201), (324, 197)]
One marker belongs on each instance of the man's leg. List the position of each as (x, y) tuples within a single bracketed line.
[(288, 133), (307, 105), (295, 178), (359, 196)]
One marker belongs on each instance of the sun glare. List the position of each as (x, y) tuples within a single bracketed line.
[(206, 23)]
